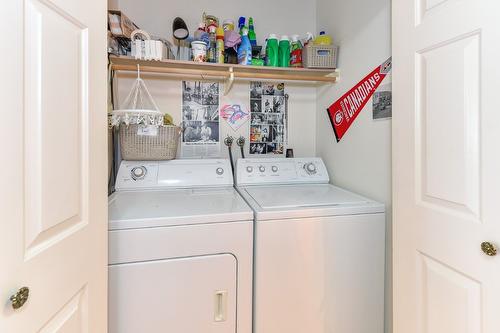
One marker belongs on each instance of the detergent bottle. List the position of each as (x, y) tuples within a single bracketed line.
[(323, 39), (284, 52), (251, 32), (245, 49), (272, 51)]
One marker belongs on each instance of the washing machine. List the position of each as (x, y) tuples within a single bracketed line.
[(180, 249), (319, 250)]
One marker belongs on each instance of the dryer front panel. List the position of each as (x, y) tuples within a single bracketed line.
[(185, 295)]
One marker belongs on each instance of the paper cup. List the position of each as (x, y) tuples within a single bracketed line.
[(199, 51)]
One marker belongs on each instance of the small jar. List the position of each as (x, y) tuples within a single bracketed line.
[(199, 49)]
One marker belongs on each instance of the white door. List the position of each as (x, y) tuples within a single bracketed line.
[(446, 137), (53, 165)]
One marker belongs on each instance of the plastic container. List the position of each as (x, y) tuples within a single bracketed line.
[(272, 51), (241, 24), (228, 25), (201, 35), (220, 45), (245, 49), (284, 52), (251, 32), (323, 39), (199, 49), (296, 52)]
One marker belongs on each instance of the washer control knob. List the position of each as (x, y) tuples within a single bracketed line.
[(310, 168), (138, 172), (274, 168), (262, 168), (219, 171), (249, 169)]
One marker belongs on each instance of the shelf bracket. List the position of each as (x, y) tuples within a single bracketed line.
[(228, 85)]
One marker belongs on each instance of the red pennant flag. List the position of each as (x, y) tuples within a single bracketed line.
[(344, 111)]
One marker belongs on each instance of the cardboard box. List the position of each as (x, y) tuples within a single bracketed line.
[(119, 24)]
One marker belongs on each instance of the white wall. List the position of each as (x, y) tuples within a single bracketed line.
[(156, 16), (362, 160)]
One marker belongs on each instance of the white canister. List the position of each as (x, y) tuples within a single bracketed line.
[(199, 51)]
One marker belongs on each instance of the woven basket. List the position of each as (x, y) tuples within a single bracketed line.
[(320, 56), (162, 146)]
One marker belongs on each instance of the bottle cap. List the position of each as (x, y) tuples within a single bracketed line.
[(322, 33), (295, 38), (241, 21), (273, 36), (285, 37), (244, 31)]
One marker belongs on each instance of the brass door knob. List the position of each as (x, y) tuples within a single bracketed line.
[(19, 298), (489, 249)]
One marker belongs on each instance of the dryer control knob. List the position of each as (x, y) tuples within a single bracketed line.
[(262, 168), (274, 168), (310, 168), (249, 169), (219, 171), (138, 172)]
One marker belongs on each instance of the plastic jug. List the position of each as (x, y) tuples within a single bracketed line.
[(323, 39), (245, 49), (284, 52), (272, 51)]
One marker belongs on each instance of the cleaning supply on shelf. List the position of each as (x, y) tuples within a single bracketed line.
[(296, 52), (241, 24), (309, 39), (251, 32), (284, 52), (212, 52), (245, 49), (272, 51), (257, 62), (199, 51), (219, 45), (228, 25), (201, 34), (231, 40), (323, 39)]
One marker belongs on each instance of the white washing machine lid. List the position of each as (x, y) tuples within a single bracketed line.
[(290, 201), (158, 208)]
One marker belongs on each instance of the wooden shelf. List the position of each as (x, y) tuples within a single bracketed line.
[(224, 71)]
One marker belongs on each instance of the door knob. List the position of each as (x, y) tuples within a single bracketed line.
[(19, 298), (489, 249)]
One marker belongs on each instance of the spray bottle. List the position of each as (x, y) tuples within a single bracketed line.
[(245, 49)]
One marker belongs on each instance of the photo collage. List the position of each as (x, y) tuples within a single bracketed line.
[(268, 118)]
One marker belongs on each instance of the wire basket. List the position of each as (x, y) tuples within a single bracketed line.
[(320, 56), (139, 142)]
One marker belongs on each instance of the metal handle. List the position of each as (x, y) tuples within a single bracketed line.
[(19, 298), (489, 249)]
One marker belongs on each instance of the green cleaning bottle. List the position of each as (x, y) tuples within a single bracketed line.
[(284, 52), (251, 32), (272, 51)]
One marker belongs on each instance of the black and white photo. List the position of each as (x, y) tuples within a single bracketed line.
[(200, 119)]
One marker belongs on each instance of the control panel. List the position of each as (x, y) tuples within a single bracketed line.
[(253, 171), (174, 174)]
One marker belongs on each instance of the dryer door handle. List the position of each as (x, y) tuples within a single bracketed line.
[(220, 308)]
